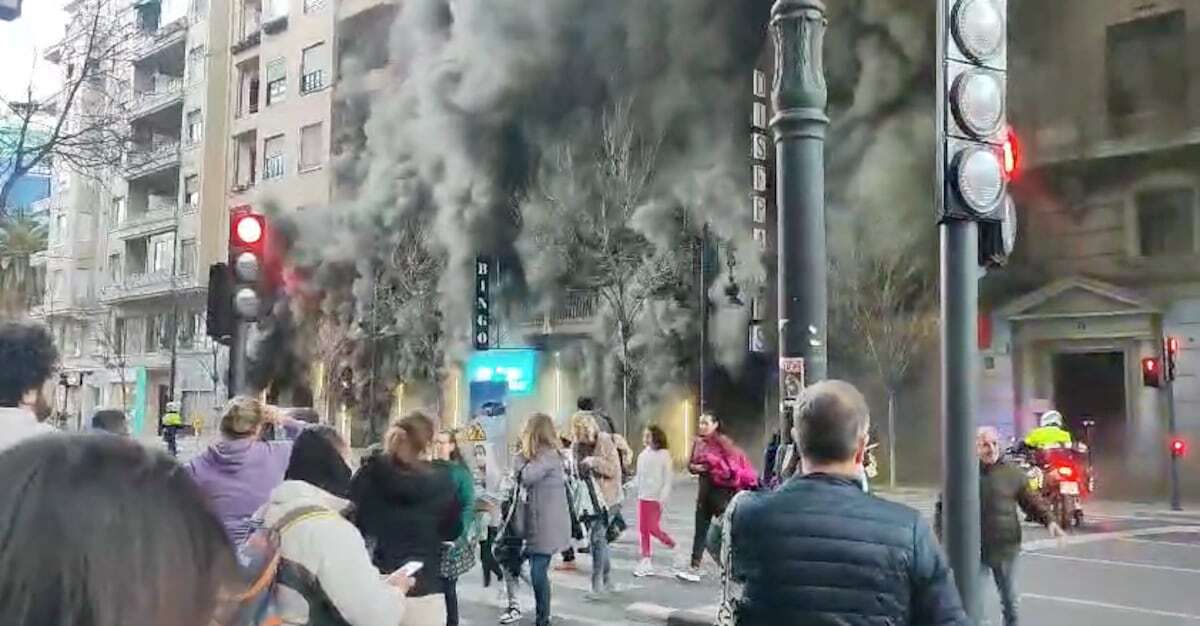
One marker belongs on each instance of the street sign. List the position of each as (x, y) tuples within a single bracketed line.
[(791, 377)]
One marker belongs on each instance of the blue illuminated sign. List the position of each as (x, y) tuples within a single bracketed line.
[(517, 368)]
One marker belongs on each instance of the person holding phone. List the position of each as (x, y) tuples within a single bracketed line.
[(306, 509), (406, 507)]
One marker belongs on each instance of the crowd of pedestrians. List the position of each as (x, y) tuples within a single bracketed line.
[(273, 524)]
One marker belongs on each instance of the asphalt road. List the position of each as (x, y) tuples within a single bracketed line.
[(1131, 565)]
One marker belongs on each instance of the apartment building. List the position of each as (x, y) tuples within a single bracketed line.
[(280, 103), (1106, 97), (124, 267)]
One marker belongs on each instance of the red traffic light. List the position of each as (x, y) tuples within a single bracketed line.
[(1012, 154), (1178, 447), (248, 230), (1151, 376)]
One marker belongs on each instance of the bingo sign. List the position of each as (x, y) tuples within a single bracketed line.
[(483, 304), (791, 378)]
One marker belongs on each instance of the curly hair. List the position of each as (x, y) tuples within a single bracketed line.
[(29, 356)]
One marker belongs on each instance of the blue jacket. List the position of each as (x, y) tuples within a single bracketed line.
[(821, 552)]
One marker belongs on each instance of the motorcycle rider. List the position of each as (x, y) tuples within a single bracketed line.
[(1050, 433)]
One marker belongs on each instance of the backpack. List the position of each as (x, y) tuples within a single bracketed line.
[(263, 568)]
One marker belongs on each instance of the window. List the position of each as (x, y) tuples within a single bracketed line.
[(312, 6), (59, 233), (117, 212), (1167, 221), (199, 8), (312, 147), (114, 268), (314, 68), (153, 337), (760, 209), (191, 192), (160, 252), (274, 9), (760, 84), (187, 257), (57, 284), (118, 336), (1146, 61), (195, 64), (276, 81), (273, 157), (195, 127)]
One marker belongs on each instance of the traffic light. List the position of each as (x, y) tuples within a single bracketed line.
[(1171, 350), (219, 321), (247, 258), (1151, 376), (1178, 447), (971, 112)]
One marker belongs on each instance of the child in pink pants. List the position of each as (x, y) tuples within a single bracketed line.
[(653, 488)]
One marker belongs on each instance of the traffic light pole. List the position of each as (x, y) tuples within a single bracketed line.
[(799, 97), (960, 489), (237, 359), (1176, 496)]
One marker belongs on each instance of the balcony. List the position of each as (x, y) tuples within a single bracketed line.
[(166, 93), (313, 81), (574, 314), (148, 44), (275, 25), (248, 40), (137, 286), (141, 162), (158, 219)]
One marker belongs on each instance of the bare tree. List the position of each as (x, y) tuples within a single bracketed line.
[(81, 125), (113, 356), (888, 302), (585, 219)]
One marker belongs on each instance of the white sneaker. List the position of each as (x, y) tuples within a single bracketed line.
[(511, 615), (691, 575), (644, 568)]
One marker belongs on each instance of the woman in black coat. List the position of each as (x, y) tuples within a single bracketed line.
[(406, 507)]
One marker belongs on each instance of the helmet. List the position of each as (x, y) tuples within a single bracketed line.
[(173, 407), (1052, 418)]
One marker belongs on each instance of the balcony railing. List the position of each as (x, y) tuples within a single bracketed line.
[(165, 36), (312, 81), (157, 218), (579, 306), (141, 285), (142, 161), (248, 40), (164, 93)]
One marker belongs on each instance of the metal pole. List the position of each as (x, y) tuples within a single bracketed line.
[(799, 97), (960, 306), (1176, 496), (703, 317), (237, 359)]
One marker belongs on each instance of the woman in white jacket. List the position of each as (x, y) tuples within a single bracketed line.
[(326, 575), (653, 487)]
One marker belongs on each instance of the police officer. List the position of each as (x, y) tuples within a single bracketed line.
[(172, 422)]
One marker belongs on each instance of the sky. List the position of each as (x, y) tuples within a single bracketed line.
[(22, 43)]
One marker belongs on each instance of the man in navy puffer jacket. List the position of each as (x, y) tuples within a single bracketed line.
[(820, 552)]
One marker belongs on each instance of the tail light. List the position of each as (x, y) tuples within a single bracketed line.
[(1066, 472)]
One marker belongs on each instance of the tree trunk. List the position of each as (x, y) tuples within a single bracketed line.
[(891, 419)]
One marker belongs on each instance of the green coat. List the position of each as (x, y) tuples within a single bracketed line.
[(1003, 489), (464, 486)]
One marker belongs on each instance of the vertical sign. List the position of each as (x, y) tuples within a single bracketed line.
[(483, 304)]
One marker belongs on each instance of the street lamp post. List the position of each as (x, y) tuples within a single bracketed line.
[(799, 96)]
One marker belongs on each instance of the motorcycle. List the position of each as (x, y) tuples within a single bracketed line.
[(1063, 477)]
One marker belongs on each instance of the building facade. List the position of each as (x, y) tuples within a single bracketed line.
[(125, 288), (1106, 98)]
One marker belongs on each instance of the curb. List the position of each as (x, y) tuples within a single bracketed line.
[(649, 612)]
